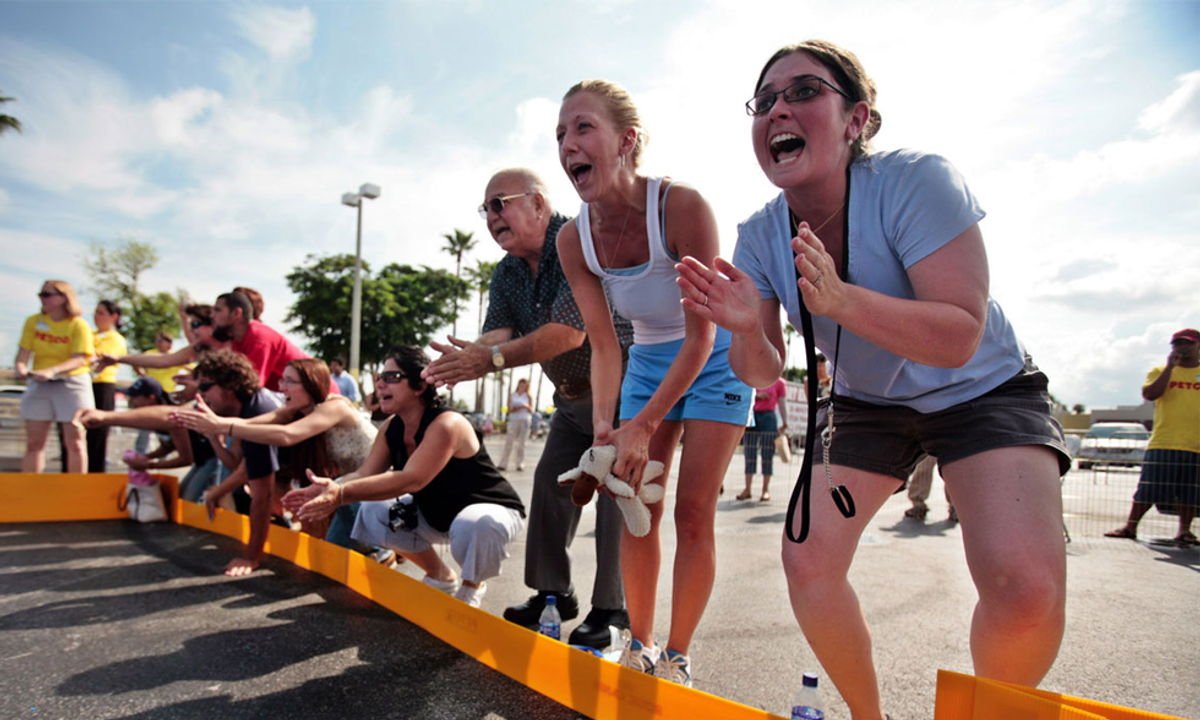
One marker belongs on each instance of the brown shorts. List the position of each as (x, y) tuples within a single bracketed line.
[(890, 440)]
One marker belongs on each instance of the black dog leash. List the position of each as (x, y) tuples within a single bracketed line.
[(803, 490)]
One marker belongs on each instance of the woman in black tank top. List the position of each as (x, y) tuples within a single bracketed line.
[(448, 489)]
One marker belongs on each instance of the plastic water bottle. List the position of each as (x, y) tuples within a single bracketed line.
[(807, 704), (550, 624)]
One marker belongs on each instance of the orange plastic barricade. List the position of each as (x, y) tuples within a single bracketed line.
[(579, 680), (965, 697)]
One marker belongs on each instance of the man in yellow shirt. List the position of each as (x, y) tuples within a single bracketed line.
[(164, 376), (1171, 468)]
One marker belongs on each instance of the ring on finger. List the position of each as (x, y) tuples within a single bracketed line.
[(705, 299), (820, 276)]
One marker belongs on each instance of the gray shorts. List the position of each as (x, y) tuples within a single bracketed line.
[(57, 400), (890, 440)]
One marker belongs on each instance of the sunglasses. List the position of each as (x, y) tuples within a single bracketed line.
[(390, 377), (496, 204), (197, 324), (205, 385), (45, 294)]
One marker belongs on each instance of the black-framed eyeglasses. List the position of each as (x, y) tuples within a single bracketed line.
[(205, 385), (43, 294), (390, 377), (802, 90), (496, 204)]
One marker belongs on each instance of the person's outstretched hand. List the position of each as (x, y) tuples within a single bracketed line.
[(721, 294)]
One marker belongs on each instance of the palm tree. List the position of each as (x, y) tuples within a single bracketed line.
[(8, 122), (456, 244), (480, 277)]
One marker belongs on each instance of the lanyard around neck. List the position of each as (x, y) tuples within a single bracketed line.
[(803, 489)]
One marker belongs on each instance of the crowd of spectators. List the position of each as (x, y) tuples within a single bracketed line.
[(654, 343)]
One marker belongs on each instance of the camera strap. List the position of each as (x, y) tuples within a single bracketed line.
[(803, 490)]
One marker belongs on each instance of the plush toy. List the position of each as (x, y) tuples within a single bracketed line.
[(595, 471)]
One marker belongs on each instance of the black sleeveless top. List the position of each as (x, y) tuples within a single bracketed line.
[(463, 482)]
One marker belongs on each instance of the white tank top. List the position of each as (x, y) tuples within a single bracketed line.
[(647, 294)]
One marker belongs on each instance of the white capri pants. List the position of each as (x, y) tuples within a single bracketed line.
[(479, 536)]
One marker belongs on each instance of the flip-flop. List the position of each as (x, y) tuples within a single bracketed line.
[(1186, 539), (743, 496), (766, 497), (1123, 532)]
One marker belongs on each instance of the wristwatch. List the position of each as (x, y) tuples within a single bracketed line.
[(497, 357)]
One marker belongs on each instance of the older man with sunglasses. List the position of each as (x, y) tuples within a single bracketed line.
[(532, 318)]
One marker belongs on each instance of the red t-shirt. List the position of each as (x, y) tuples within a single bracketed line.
[(268, 351)]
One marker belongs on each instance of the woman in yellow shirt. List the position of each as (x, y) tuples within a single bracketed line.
[(108, 340), (59, 343)]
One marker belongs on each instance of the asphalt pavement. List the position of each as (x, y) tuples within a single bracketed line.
[(118, 620)]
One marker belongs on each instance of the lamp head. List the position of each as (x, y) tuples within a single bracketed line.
[(369, 190), (351, 199)]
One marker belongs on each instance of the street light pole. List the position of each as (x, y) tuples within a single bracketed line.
[(355, 200)]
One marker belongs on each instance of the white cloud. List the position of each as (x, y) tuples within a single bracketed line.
[(1179, 113), (284, 35)]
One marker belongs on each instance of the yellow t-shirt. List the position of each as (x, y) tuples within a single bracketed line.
[(109, 342), (53, 342), (1177, 412), (165, 376)]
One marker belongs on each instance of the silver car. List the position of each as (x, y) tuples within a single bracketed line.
[(1113, 443)]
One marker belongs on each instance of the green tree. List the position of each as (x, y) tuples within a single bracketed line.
[(1079, 408), (400, 305), (8, 122), (480, 278), (117, 271)]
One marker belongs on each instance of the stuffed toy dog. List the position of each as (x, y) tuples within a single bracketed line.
[(595, 472)]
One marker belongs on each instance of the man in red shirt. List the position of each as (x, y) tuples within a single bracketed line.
[(267, 350)]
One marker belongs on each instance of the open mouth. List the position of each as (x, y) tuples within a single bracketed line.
[(580, 172), (498, 231), (786, 147)]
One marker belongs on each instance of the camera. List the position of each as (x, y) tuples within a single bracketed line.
[(403, 516)]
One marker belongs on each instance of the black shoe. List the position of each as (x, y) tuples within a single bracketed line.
[(593, 631), (529, 612)]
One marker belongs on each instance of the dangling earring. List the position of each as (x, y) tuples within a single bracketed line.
[(622, 160)]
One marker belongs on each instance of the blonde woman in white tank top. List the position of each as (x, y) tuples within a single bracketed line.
[(617, 244)]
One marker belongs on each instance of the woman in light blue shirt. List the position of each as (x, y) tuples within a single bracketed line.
[(886, 252)]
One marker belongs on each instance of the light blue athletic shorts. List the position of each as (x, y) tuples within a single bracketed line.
[(716, 395)]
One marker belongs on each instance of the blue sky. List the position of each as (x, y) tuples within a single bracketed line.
[(225, 134)]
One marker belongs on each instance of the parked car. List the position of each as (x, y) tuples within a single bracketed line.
[(12, 430), (1113, 443)]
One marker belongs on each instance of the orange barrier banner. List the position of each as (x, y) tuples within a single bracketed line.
[(965, 697), (69, 497), (579, 680)]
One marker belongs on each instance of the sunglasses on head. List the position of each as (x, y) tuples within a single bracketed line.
[(390, 377)]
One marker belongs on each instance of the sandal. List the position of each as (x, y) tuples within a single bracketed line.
[(1122, 532), (766, 497), (743, 495), (1186, 539)]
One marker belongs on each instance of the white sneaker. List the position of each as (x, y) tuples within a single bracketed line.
[(447, 587), (472, 596), (637, 656), (674, 667)]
